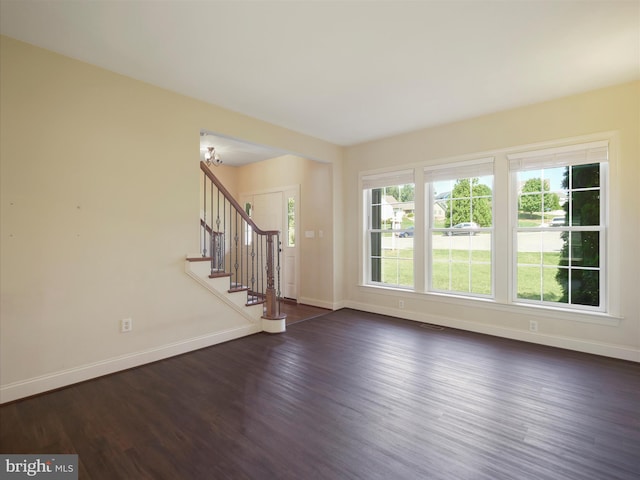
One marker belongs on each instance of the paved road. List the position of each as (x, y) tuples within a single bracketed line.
[(528, 242)]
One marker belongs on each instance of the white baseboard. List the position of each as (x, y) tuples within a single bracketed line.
[(63, 378), (318, 303), (339, 305), (44, 383), (596, 348)]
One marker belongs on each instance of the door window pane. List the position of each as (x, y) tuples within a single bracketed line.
[(291, 222)]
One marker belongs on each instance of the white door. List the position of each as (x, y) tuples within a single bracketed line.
[(272, 211)]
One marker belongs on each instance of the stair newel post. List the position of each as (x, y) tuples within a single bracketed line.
[(271, 291), (263, 266), (278, 291)]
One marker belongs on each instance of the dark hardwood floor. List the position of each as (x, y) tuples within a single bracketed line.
[(299, 311), (347, 395)]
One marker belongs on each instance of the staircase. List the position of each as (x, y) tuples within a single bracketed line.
[(239, 262)]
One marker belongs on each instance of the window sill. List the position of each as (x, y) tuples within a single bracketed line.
[(598, 318), (389, 288), (543, 311)]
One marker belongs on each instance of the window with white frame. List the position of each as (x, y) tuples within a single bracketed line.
[(291, 222), (460, 237), (560, 226), (390, 209)]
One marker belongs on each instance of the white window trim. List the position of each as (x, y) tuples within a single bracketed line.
[(541, 311), (503, 193), (378, 180), (465, 169), (368, 181), (554, 157), (577, 154), (483, 166)]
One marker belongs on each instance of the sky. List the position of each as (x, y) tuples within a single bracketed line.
[(554, 175)]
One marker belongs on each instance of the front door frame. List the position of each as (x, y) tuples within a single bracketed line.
[(287, 192)]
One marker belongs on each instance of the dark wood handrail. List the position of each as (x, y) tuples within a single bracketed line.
[(207, 171), (206, 226)]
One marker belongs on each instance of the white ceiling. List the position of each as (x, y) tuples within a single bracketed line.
[(347, 71), (234, 152)]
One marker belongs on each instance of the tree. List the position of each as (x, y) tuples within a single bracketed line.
[(392, 192), (470, 201), (407, 193), (584, 248), (546, 202)]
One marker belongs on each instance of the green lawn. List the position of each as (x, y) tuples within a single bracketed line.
[(397, 267), (462, 277), (529, 284), (453, 270), (524, 220), (534, 219), (460, 271)]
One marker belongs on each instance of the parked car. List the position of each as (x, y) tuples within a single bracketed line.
[(408, 233), (557, 222), (465, 228)]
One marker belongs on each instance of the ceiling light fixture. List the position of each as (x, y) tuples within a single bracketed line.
[(211, 157)]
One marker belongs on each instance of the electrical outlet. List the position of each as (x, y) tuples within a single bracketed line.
[(533, 326), (401, 304), (126, 325)]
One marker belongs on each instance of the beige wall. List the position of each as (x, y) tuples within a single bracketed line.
[(229, 178), (616, 110), (99, 206), (99, 203)]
